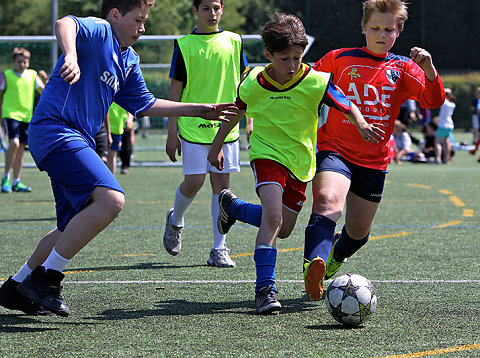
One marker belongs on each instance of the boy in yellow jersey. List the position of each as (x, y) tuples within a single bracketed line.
[(118, 119), (285, 99), (207, 65), (17, 94)]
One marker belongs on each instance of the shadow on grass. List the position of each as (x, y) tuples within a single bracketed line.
[(140, 266), (27, 220), (192, 308), (11, 324)]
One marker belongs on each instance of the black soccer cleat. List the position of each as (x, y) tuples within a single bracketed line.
[(43, 287), (266, 300), (225, 219), (13, 300)]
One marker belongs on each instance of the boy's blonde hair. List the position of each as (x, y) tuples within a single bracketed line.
[(397, 7), (20, 51), (123, 6), (283, 31)]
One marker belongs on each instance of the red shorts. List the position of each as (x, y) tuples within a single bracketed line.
[(267, 171)]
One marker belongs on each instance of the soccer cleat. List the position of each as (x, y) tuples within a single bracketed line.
[(43, 287), (21, 188), (313, 273), (333, 265), (13, 300), (172, 238), (266, 300), (220, 258), (225, 219), (6, 185)]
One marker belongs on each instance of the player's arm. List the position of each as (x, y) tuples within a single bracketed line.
[(41, 81), (106, 121), (174, 145), (167, 108), (66, 33), (215, 155), (423, 58)]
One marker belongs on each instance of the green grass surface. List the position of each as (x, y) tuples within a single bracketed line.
[(129, 298)]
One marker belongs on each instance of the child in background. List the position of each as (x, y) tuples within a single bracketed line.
[(207, 66), (444, 136), (285, 99), (17, 95), (118, 119)]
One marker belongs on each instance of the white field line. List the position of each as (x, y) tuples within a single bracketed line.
[(253, 281)]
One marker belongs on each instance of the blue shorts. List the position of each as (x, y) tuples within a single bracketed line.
[(17, 129), (444, 132), (75, 170), (367, 183), (116, 142)]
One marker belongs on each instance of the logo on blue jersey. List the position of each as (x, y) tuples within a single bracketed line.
[(393, 76), (110, 80)]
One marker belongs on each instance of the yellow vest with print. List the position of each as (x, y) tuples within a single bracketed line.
[(117, 117), (285, 121), (19, 96), (212, 62)]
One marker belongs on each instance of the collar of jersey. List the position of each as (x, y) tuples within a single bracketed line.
[(380, 57), (288, 84)]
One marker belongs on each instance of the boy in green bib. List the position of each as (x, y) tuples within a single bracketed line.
[(207, 65), (17, 95), (285, 99)]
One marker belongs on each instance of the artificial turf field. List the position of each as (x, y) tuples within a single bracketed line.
[(130, 298)]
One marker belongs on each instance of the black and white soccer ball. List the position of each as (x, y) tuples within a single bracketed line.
[(351, 299)]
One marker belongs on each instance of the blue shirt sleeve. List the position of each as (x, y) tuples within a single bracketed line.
[(336, 99)]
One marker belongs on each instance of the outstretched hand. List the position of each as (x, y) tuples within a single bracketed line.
[(70, 71), (217, 112), (372, 132)]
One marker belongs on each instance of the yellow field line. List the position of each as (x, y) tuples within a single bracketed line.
[(451, 223), (94, 270), (468, 213), (404, 233), (456, 201), (419, 186), (446, 192), (282, 250), (466, 347)]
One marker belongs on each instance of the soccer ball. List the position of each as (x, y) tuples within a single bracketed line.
[(351, 299)]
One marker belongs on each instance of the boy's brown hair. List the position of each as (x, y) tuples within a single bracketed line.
[(20, 51), (196, 3), (283, 31), (123, 6), (397, 7)]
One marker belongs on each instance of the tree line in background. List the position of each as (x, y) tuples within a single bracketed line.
[(448, 30)]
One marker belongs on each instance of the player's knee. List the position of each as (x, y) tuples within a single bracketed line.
[(115, 203), (273, 220), (326, 203)]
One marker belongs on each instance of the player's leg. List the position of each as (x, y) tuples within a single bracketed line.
[(220, 180), (13, 127), (194, 171), (17, 185), (88, 198), (329, 188), (265, 255), (362, 204), (9, 296)]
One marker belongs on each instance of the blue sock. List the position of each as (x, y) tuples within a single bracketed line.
[(346, 246), (246, 212), (265, 260), (318, 237)]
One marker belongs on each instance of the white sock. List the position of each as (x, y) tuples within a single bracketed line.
[(22, 273), (179, 208), (55, 262), (218, 239), (7, 175), (15, 181)]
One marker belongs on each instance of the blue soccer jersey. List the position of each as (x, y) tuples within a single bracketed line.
[(70, 113)]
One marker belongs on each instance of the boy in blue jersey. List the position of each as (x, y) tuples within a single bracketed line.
[(207, 66), (285, 99), (69, 114)]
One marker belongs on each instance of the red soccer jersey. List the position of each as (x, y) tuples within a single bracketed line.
[(378, 86)]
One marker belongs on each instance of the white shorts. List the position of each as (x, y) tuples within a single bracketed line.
[(195, 158), (475, 122)]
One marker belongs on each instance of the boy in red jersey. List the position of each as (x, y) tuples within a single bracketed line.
[(351, 171)]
